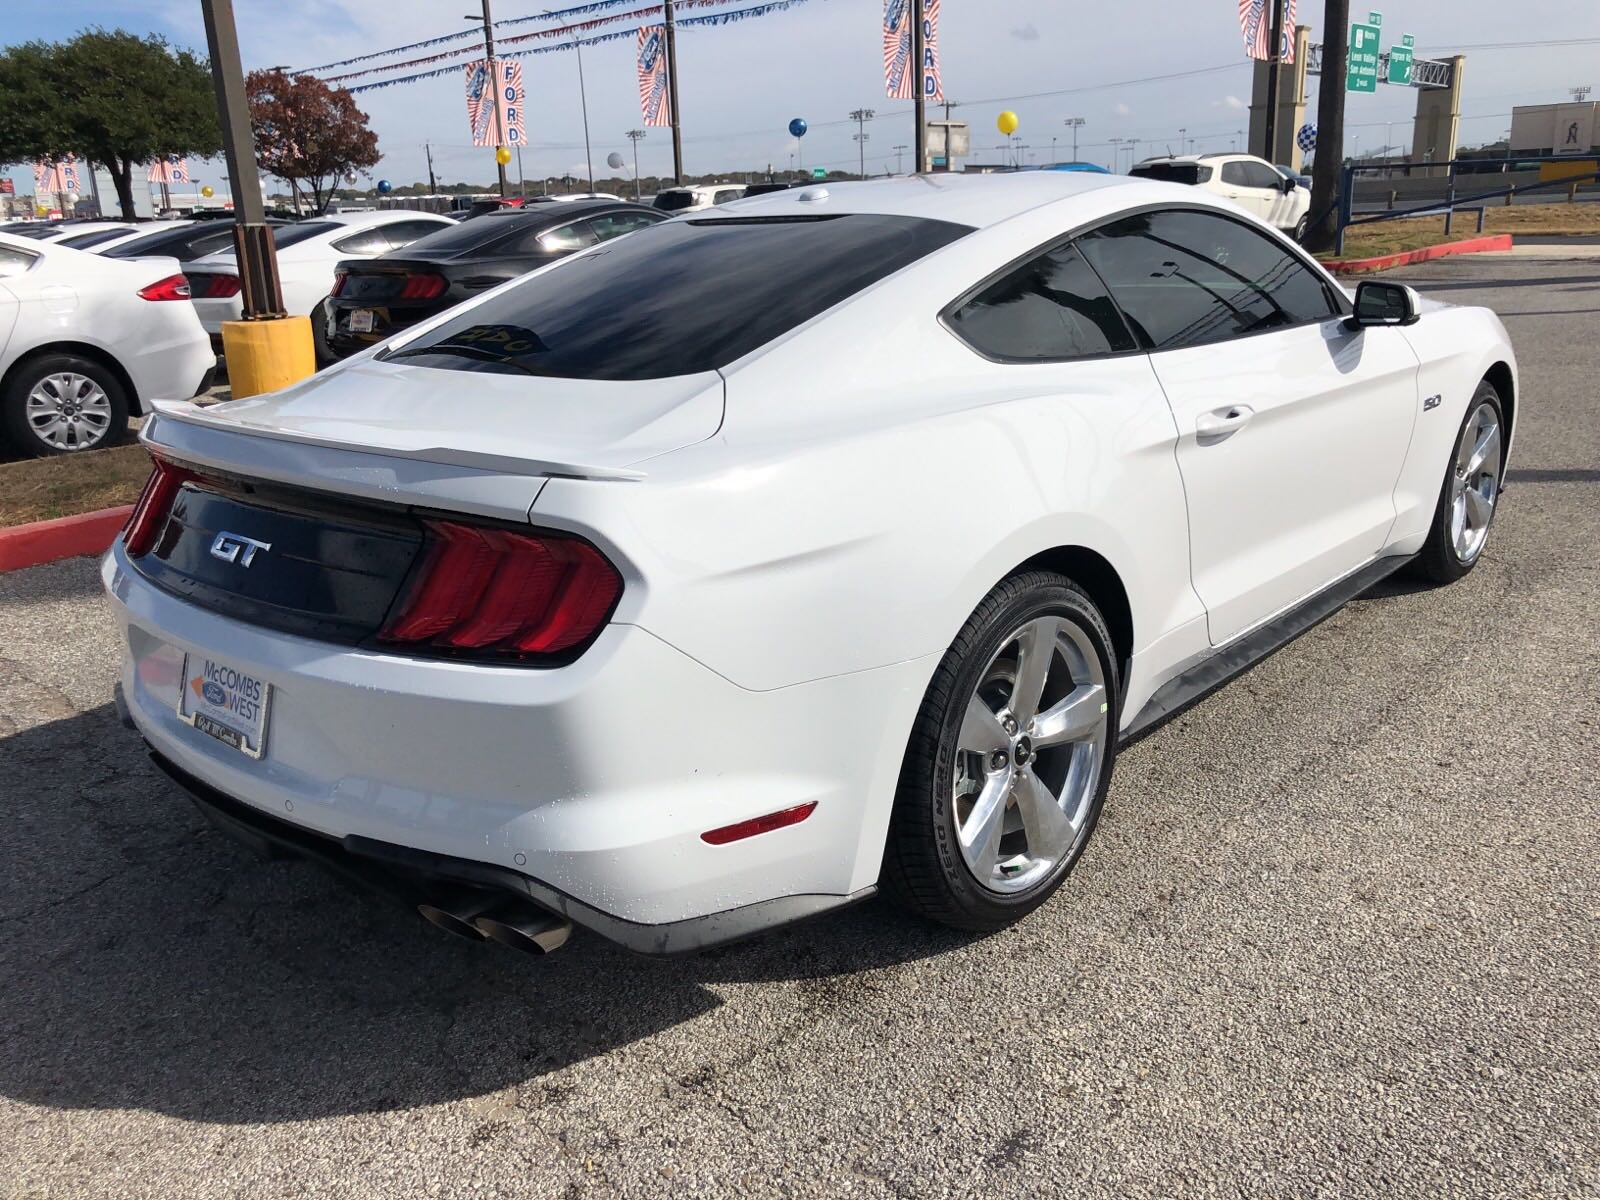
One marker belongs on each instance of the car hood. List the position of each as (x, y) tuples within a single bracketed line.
[(598, 429)]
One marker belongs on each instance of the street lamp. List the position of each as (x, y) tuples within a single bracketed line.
[(861, 116), (1116, 154), (633, 136), (1074, 124), (583, 99), (1183, 140)]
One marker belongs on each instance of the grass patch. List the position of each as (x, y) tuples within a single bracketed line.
[(1414, 233), (39, 489)]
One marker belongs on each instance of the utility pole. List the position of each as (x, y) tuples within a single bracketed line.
[(633, 136), (1275, 75), (1328, 166), (919, 51), (493, 72), (861, 116), (1075, 124), (672, 92), (899, 160), (433, 184), (1183, 140), (1116, 153)]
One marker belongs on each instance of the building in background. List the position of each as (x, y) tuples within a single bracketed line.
[(1556, 129)]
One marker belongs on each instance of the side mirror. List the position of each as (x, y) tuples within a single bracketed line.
[(1380, 303), (1288, 185)]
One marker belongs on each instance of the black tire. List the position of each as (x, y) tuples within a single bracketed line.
[(1438, 562), (20, 432), (923, 868), (325, 356), (1300, 228)]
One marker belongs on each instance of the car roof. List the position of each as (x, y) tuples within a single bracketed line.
[(380, 216), (965, 199)]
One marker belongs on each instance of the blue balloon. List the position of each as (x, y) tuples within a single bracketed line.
[(385, 187), (797, 128)]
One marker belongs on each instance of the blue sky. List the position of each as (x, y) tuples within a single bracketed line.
[(742, 83)]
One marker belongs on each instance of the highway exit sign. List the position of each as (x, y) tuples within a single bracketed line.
[(1400, 60), (1362, 75)]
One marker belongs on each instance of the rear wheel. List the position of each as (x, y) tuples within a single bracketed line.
[(1470, 492), (1009, 759), (1300, 227), (63, 403)]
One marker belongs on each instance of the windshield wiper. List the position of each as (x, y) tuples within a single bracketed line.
[(460, 352)]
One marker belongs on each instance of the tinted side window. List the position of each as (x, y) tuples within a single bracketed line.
[(723, 195), (1053, 307), (1186, 278), (14, 261), (365, 241), (403, 233), (616, 224), (1262, 176), (566, 239), (1233, 174)]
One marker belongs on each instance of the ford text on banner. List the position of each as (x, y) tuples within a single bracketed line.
[(59, 176), (169, 170), (1255, 23), (655, 106), (899, 77), (496, 119)]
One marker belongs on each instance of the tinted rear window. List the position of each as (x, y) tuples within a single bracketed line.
[(1190, 173), (470, 235), (301, 231), (681, 297), (674, 201), (83, 241)]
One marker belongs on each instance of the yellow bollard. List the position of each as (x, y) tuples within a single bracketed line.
[(263, 356)]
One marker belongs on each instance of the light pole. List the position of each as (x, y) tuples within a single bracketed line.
[(861, 116), (899, 160), (1075, 124), (1053, 151), (1116, 154), (583, 97), (1183, 140), (633, 136)]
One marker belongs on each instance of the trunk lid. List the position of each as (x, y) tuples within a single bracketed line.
[(520, 424)]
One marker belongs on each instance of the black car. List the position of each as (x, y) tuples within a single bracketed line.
[(377, 297), (182, 242)]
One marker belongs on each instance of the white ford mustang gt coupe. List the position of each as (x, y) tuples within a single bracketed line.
[(831, 541)]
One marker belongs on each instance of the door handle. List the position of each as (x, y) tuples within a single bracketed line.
[(1221, 422)]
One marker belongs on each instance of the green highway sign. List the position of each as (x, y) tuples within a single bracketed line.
[(1400, 60), (1363, 73), (818, 173), (1408, 42), (1374, 18)]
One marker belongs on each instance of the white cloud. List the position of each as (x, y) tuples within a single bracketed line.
[(1122, 110), (1025, 33), (1231, 103)]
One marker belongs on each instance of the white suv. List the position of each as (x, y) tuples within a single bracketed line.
[(1252, 183), (696, 197)]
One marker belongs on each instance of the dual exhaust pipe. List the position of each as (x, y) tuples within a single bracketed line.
[(489, 916)]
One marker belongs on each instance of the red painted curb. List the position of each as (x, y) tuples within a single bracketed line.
[(1360, 266), (65, 537)]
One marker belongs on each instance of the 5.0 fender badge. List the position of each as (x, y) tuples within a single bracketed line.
[(1432, 402)]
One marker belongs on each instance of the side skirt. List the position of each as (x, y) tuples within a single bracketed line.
[(1244, 652)]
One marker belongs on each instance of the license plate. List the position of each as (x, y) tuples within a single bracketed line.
[(361, 320), (225, 702)]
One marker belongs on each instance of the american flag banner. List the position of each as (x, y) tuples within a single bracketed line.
[(169, 170), (1255, 24), (53, 177), (655, 105), (900, 77), (495, 104)]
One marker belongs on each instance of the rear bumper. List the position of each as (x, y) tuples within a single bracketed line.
[(586, 787)]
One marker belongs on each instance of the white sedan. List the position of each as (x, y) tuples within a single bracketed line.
[(831, 541), (308, 252), (86, 342)]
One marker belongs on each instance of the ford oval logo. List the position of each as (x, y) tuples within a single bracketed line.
[(214, 693)]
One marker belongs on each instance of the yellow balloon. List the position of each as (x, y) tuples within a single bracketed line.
[(1007, 124), (208, 191), (502, 155)]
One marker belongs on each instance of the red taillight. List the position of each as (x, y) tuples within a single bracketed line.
[(423, 287), (214, 287), (501, 592), (755, 825), (338, 282), (173, 287), (155, 503)]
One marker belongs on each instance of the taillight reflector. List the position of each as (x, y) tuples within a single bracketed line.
[(503, 592), (155, 503), (755, 825), (423, 287), (173, 287)]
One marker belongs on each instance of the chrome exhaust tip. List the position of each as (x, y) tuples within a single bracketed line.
[(455, 912), (532, 931)]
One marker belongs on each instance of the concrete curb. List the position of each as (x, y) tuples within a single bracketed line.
[(65, 537), (1362, 266)]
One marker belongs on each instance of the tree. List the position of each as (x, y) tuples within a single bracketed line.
[(113, 99), (308, 133), (1323, 232)]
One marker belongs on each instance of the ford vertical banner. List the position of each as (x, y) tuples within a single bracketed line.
[(496, 120), (899, 76), (655, 107)]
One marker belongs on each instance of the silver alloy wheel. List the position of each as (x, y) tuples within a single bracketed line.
[(1475, 483), (68, 411), (1028, 757)]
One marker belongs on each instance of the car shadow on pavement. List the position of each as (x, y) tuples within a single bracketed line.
[(147, 962)]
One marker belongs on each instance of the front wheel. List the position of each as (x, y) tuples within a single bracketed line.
[(1300, 228), (61, 404), (1470, 492), (1009, 759)]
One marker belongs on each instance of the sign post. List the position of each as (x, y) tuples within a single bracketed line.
[(1363, 73), (1401, 58)]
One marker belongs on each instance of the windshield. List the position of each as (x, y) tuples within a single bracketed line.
[(681, 297), (1190, 173), (675, 201)]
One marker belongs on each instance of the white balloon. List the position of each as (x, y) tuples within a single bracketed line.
[(614, 161)]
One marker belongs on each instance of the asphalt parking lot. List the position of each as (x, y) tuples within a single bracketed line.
[(1338, 933)]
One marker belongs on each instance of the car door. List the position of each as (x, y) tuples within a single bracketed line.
[(1276, 204), (1292, 429), (1235, 186)]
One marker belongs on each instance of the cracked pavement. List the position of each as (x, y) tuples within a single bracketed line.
[(1338, 934)]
